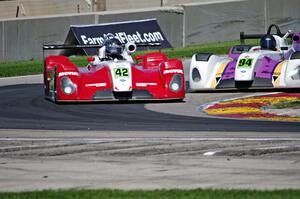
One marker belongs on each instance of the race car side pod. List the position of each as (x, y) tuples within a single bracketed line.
[(244, 36)]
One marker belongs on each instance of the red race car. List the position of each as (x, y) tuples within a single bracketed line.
[(113, 75)]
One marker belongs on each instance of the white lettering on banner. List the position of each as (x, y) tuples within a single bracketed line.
[(95, 85), (68, 73), (145, 84), (140, 37), (92, 41), (125, 38), (173, 71)]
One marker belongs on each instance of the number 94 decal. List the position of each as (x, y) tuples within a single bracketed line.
[(121, 72), (245, 63)]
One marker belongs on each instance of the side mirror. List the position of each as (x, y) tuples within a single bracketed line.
[(90, 59), (138, 57)]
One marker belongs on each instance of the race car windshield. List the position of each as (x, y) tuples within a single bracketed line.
[(240, 49)]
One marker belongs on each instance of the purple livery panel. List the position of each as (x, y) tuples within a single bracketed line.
[(266, 69), (229, 71)]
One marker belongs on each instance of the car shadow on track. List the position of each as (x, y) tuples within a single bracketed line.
[(122, 102), (242, 90), (249, 90)]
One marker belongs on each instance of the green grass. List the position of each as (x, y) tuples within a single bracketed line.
[(17, 68), (289, 104), (8, 69), (31, 67), (155, 194)]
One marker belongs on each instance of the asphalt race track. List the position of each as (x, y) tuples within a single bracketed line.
[(24, 107), (138, 145)]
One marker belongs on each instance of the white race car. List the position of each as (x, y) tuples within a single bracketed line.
[(273, 64)]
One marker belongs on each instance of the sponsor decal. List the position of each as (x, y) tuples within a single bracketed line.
[(95, 85), (171, 71), (146, 84), (124, 38), (68, 74)]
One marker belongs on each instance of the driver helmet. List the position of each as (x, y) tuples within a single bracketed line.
[(113, 47), (268, 42)]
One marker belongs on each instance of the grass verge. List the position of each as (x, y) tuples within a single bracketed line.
[(157, 194), (289, 104), (18, 68)]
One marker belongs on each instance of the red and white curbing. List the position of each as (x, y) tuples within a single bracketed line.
[(256, 107)]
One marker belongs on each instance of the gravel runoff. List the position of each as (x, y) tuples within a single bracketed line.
[(40, 159)]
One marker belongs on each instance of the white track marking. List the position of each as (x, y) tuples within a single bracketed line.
[(96, 139), (210, 153), (279, 147)]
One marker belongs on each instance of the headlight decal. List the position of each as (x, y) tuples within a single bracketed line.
[(67, 86), (176, 83)]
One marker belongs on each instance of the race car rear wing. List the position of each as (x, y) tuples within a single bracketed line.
[(64, 46), (79, 49), (244, 36), (72, 49)]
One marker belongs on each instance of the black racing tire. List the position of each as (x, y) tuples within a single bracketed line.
[(239, 49)]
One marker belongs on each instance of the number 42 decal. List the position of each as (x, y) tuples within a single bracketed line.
[(121, 72), (245, 62)]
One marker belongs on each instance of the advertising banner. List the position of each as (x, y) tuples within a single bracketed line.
[(139, 32)]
